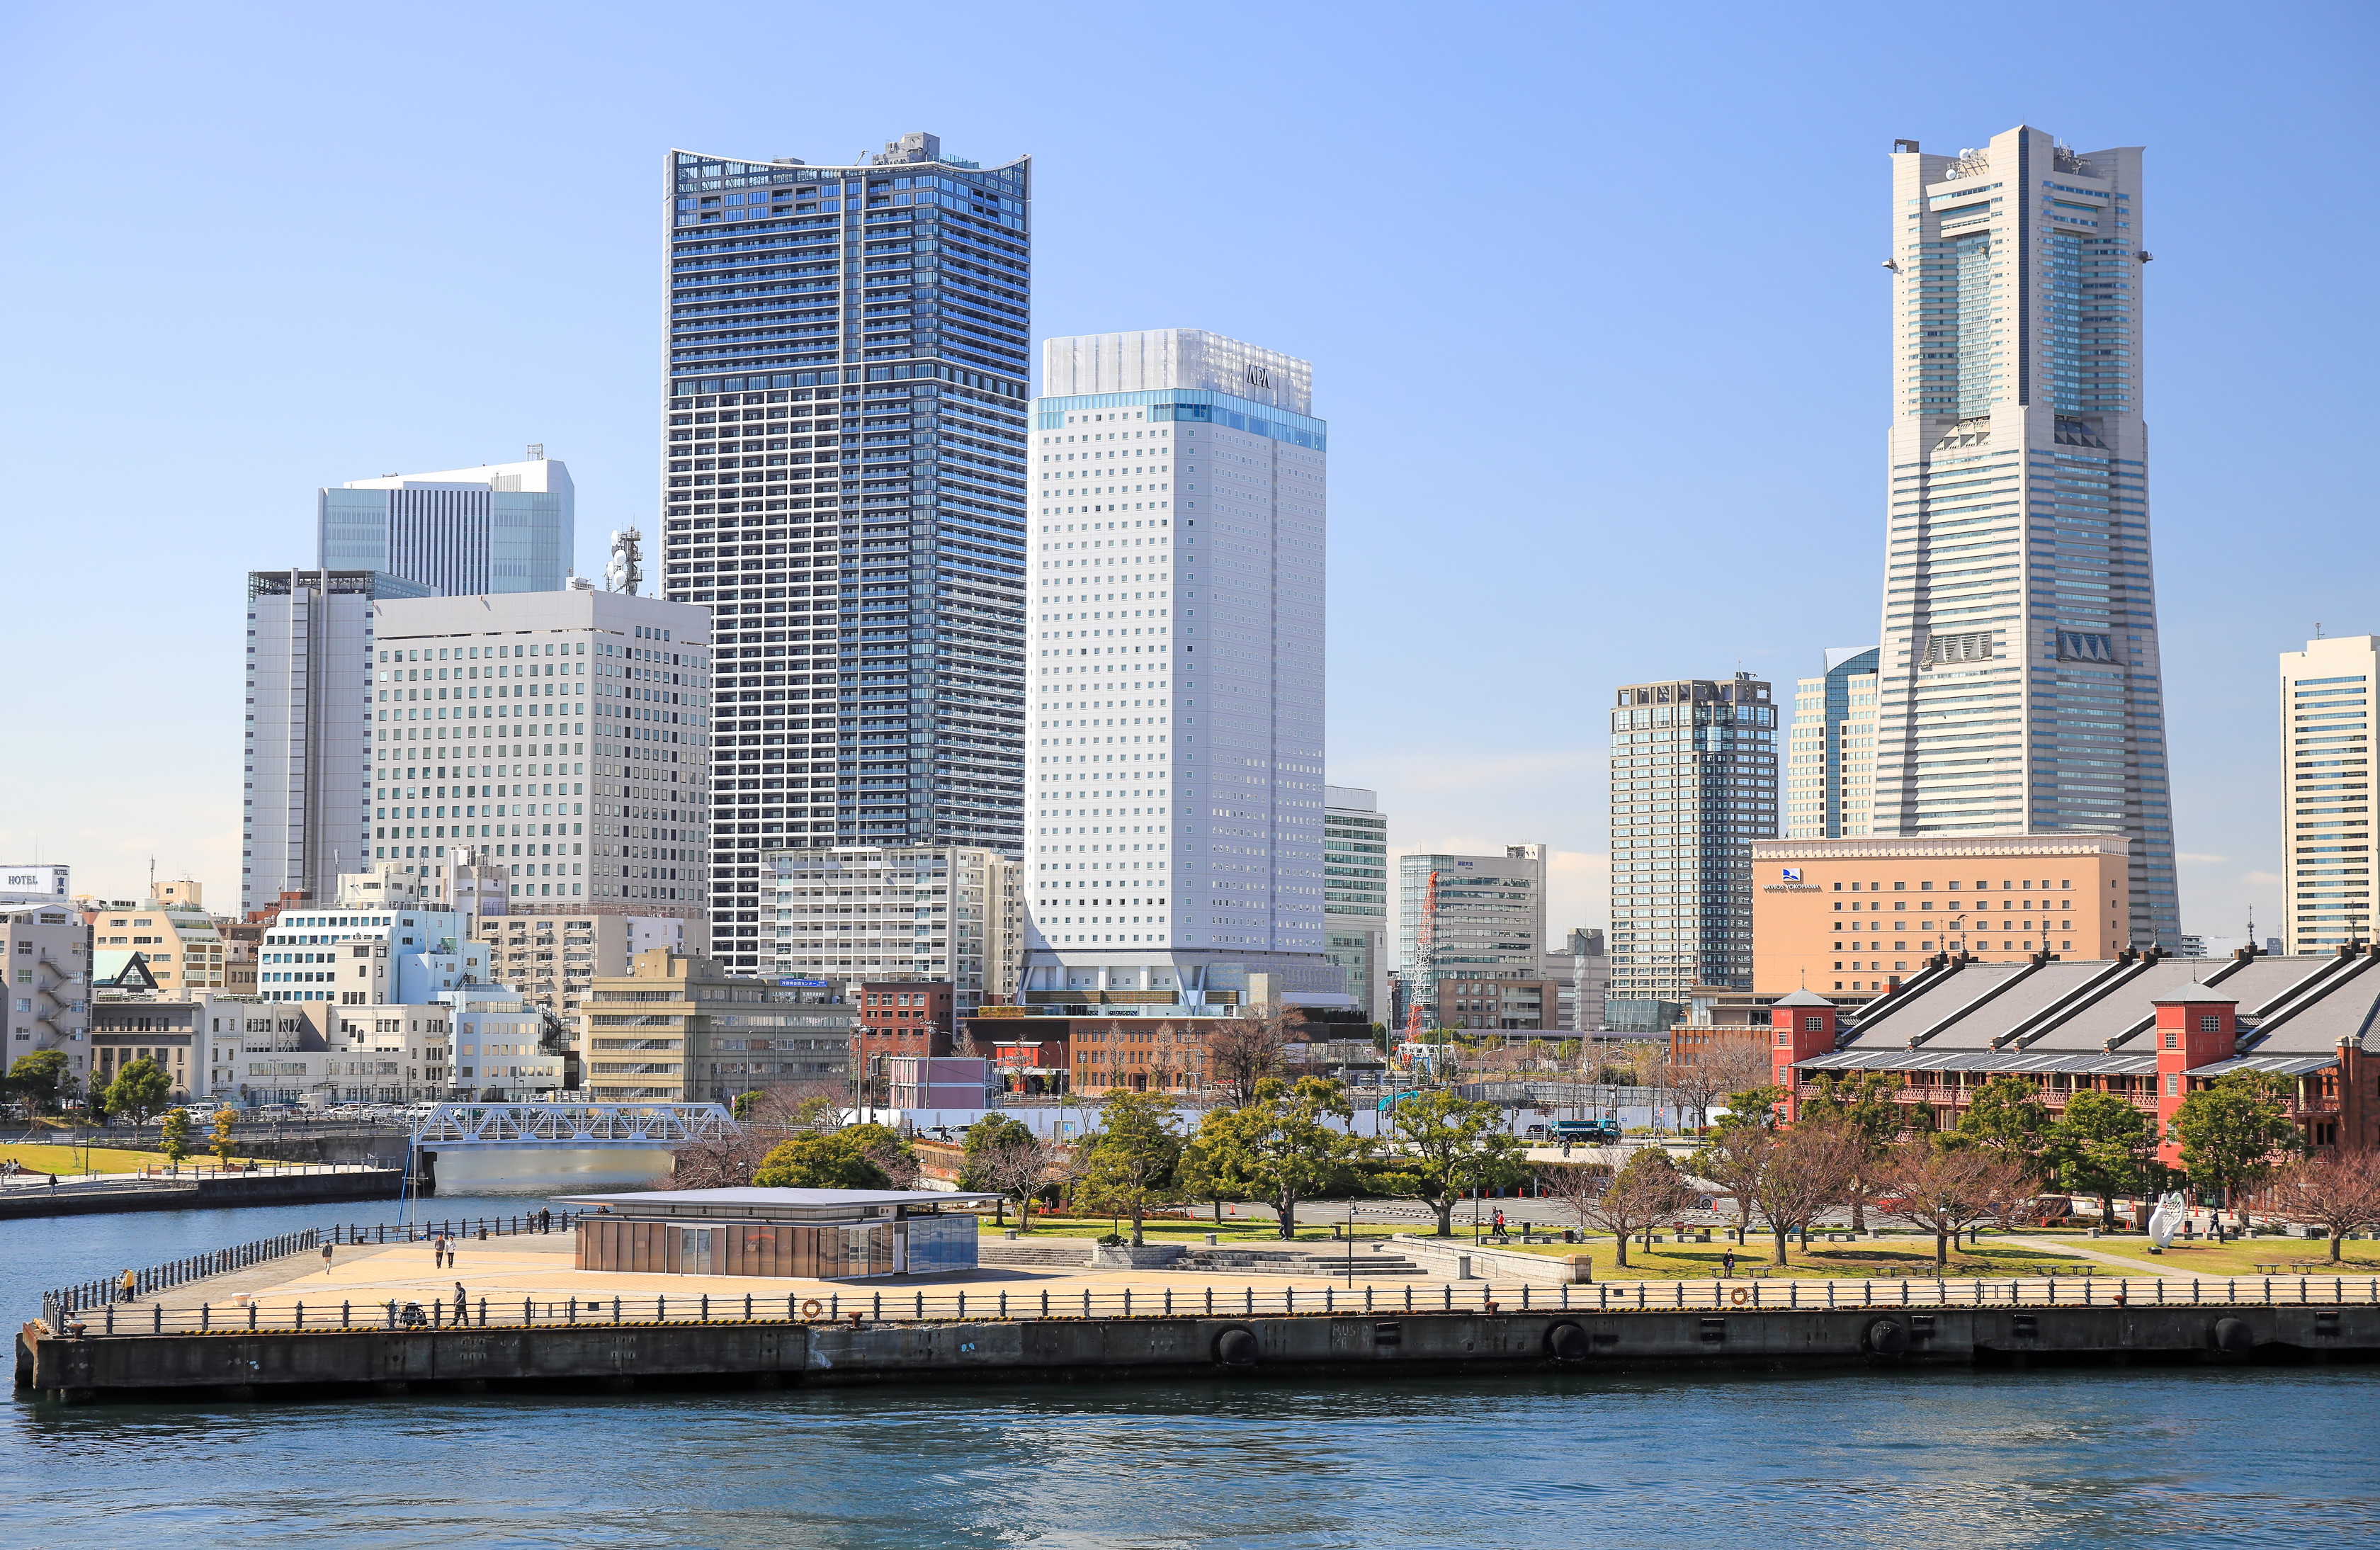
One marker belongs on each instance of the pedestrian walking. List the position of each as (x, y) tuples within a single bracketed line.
[(128, 1285), (462, 1304), (326, 1259)]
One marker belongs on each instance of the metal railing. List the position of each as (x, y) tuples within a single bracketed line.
[(65, 1301), (848, 1306)]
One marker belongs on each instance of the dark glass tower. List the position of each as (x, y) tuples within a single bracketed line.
[(844, 438)]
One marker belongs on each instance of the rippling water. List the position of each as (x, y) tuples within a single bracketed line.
[(2116, 1458)]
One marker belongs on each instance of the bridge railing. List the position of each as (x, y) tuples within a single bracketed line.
[(850, 1305), (87, 1296), (451, 1125)]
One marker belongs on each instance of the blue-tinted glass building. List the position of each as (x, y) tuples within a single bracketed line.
[(844, 431)]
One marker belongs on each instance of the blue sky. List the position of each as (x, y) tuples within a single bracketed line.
[(1592, 295)]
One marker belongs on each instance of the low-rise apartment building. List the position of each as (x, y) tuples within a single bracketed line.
[(555, 959), (948, 913), (47, 952), (173, 933)]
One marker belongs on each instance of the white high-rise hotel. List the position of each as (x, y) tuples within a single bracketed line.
[(1173, 800), (2019, 679)]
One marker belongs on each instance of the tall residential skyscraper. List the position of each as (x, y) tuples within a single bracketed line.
[(2327, 775), (1693, 783), (1355, 893), (1491, 925), (498, 527), (844, 487), (1175, 799), (306, 807), (2020, 677), (1830, 762)]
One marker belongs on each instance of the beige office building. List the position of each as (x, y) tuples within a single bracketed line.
[(1856, 917), (2327, 785), (678, 1029)]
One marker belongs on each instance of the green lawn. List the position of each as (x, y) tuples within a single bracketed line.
[(99, 1159)]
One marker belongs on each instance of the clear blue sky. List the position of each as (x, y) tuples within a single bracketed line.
[(1592, 293)]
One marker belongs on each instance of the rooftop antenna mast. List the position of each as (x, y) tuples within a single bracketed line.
[(625, 571)]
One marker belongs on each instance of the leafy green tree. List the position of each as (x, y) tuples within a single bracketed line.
[(852, 1158), (221, 1144), (1758, 1107), (1447, 1146), (175, 1134), (2006, 1113), (39, 1078), (2234, 1132), (1277, 1148), (139, 1090), (1129, 1162), (2102, 1146)]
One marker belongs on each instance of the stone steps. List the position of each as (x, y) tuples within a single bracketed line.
[(1070, 1253)]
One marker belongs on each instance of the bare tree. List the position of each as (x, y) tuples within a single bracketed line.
[(1950, 1192), (964, 1044), (1243, 1050), (1574, 1187), (765, 1117), (1808, 1171), (1734, 1158), (897, 1163), (1645, 1063), (2338, 1191), (1644, 1193), (1022, 1169), (1701, 1074)]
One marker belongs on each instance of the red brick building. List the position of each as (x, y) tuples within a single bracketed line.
[(901, 1017), (2150, 1029)]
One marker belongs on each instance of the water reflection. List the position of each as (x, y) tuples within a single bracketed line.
[(2122, 1458)]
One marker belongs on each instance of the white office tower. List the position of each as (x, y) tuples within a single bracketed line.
[(306, 798), (2019, 674), (2328, 779), (1174, 802), (497, 528), (569, 732)]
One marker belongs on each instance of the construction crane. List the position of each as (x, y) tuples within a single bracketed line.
[(1424, 965)]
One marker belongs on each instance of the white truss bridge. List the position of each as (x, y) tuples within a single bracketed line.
[(622, 1126)]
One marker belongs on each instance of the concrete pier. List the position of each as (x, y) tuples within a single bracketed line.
[(165, 1193), (244, 1364)]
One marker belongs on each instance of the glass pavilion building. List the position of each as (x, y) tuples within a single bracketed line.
[(843, 429)]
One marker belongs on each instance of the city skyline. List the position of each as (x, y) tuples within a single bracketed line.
[(1462, 797)]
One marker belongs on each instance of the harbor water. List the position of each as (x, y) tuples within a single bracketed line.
[(2117, 1457)]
